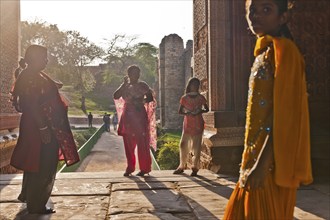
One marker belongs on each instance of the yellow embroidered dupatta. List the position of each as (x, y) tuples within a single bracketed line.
[(291, 134)]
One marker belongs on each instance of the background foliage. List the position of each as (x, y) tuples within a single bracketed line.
[(72, 58)]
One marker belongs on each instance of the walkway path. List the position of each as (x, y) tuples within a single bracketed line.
[(107, 155)]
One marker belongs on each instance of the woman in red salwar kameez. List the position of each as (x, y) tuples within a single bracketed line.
[(135, 121), (44, 133)]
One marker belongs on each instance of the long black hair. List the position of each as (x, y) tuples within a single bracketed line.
[(190, 82), (284, 6)]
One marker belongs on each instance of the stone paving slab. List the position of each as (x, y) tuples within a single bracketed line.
[(81, 187), (151, 216), (149, 201), (162, 195), (312, 204), (143, 185), (9, 193)]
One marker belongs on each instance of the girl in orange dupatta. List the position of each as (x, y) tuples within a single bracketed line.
[(276, 156)]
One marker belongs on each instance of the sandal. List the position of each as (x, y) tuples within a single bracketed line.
[(194, 172), (45, 211), (127, 174), (49, 211), (141, 173), (178, 171)]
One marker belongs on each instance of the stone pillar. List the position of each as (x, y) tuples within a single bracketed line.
[(9, 55), (172, 79), (188, 67), (161, 82), (222, 62)]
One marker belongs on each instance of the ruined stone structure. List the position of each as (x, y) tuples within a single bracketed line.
[(9, 54), (223, 54), (174, 70)]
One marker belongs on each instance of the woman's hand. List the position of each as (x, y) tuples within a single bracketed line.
[(196, 111), (45, 135)]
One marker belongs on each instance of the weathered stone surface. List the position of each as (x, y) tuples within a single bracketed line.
[(80, 207), (12, 210), (150, 216), (109, 195), (312, 204), (143, 185), (208, 202), (81, 187), (9, 193), (140, 201)]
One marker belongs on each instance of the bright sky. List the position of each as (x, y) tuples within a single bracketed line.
[(149, 20)]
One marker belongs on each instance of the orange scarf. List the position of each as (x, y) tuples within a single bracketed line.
[(291, 134)]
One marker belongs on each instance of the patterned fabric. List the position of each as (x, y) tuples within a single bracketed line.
[(193, 124), (39, 97), (259, 112), (271, 202), (135, 117)]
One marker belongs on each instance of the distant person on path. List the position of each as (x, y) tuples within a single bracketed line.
[(115, 121), (90, 120), (44, 132), (192, 105), (106, 120), (136, 106), (276, 157)]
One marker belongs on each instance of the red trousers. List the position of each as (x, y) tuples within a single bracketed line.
[(143, 149)]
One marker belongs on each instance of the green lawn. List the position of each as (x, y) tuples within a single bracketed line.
[(96, 103)]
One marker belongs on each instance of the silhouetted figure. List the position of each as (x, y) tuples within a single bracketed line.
[(90, 120), (44, 129), (134, 124), (106, 120), (115, 121)]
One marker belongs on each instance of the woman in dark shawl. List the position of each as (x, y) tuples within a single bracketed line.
[(44, 134)]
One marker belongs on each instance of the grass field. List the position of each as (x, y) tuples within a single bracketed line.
[(95, 102)]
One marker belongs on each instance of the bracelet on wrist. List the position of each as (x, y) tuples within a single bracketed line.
[(44, 128)]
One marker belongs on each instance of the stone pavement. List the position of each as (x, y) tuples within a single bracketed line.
[(162, 195), (106, 194)]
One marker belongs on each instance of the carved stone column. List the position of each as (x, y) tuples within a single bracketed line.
[(9, 54), (223, 49)]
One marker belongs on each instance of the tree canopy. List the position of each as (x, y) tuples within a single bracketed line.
[(70, 56)]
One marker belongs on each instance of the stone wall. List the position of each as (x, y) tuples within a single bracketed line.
[(174, 69), (9, 55), (310, 29)]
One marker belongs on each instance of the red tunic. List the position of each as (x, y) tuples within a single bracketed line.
[(193, 124)]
